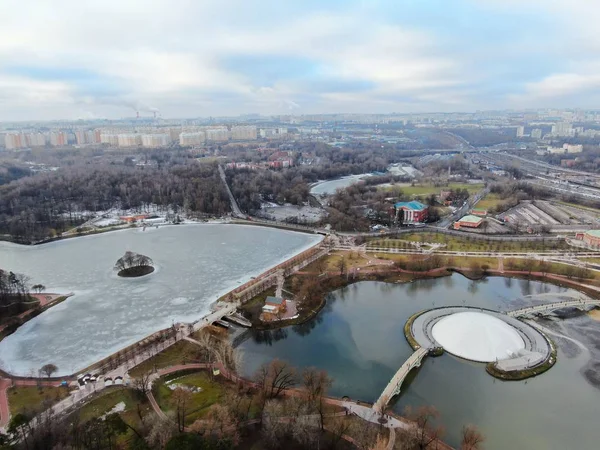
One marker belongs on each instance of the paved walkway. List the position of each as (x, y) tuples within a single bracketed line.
[(5, 384), (552, 306)]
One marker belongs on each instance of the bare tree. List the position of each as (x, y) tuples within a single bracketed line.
[(142, 384), (338, 427), (38, 288), (274, 377), (219, 423), (160, 430), (425, 432), (380, 443), (472, 438), (342, 265), (315, 384), (48, 369), (180, 400)]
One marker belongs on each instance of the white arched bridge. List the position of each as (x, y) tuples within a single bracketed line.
[(393, 387), (416, 358), (553, 306)]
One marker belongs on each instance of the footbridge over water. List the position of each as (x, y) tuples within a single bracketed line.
[(393, 387), (553, 306)]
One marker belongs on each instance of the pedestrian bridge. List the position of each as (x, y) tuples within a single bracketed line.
[(393, 387), (552, 306)]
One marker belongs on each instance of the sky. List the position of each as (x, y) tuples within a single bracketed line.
[(86, 59)]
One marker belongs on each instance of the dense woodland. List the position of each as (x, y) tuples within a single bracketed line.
[(48, 203), (14, 293)]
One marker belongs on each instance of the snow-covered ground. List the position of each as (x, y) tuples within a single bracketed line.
[(329, 187), (196, 264), (308, 214), (404, 170)]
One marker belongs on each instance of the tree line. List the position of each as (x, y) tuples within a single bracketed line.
[(47, 204)]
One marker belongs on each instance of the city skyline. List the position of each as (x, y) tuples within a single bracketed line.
[(180, 59)]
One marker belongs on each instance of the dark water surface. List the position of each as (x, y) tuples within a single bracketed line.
[(358, 338)]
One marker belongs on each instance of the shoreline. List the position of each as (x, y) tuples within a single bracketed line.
[(249, 277), (391, 275)]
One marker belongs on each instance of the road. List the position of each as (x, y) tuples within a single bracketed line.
[(236, 211)]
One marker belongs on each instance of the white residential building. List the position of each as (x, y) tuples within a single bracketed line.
[(536, 133), (192, 139), (129, 140), (217, 134), (36, 140), (14, 141), (58, 138), (156, 140), (562, 129), (110, 139), (520, 131), (243, 133)]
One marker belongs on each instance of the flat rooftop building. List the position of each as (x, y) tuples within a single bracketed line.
[(469, 221)]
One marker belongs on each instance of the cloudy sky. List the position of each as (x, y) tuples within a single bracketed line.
[(188, 58)]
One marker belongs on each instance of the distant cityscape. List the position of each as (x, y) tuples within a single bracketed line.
[(540, 126)]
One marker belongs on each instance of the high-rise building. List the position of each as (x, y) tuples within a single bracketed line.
[(520, 131), (81, 137), (536, 133), (192, 139), (36, 140), (110, 139), (243, 133), (156, 140), (14, 141), (2, 140), (58, 138), (217, 134), (562, 129), (129, 140)]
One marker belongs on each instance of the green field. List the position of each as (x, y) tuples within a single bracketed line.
[(585, 208), (489, 202), (178, 353), (422, 190), (107, 400), (199, 402), (31, 400), (454, 243)]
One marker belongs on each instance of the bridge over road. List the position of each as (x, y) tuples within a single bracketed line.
[(552, 306), (393, 387)]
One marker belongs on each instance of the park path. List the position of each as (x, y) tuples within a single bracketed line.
[(5, 384)]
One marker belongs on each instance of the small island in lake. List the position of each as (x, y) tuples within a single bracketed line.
[(134, 265)]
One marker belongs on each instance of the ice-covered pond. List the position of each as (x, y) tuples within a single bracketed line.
[(195, 264)]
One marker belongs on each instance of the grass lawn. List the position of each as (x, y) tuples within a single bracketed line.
[(591, 260), (490, 202), (421, 190), (107, 400), (454, 243), (177, 353), (200, 402), (32, 400), (449, 260), (574, 205)]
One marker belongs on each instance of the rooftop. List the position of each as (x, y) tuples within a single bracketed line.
[(412, 205), (274, 300), (595, 233), (471, 219)]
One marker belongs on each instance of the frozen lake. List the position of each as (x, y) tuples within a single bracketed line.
[(195, 264), (329, 187)]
